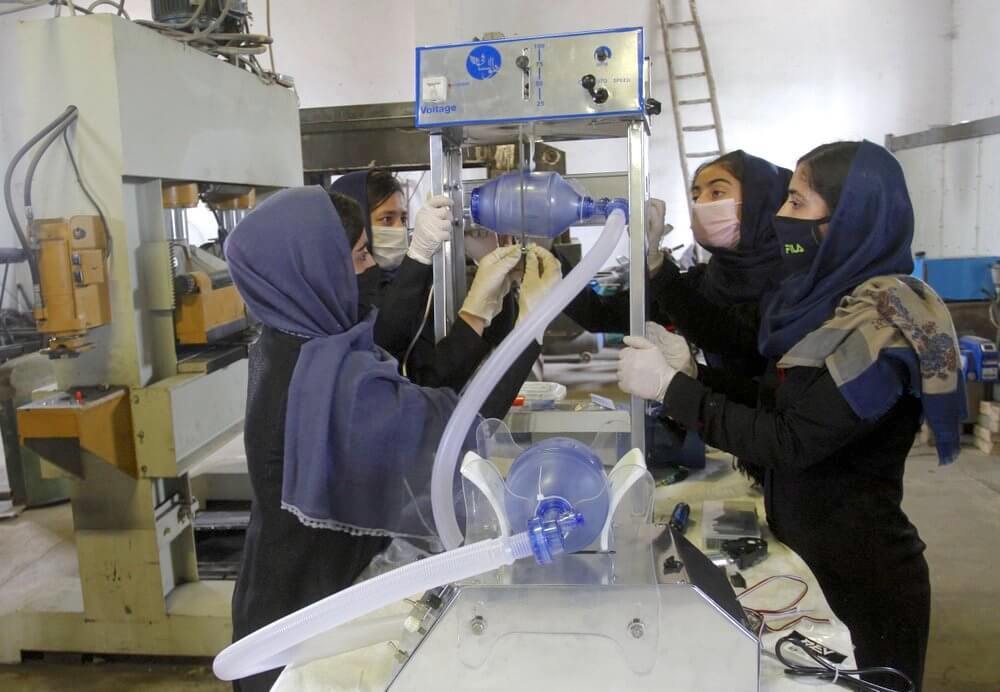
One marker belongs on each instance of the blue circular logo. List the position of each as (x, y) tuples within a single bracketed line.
[(483, 62)]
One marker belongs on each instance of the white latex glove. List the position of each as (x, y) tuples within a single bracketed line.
[(642, 369), (542, 271), (674, 348), (490, 287), (656, 228), (431, 228)]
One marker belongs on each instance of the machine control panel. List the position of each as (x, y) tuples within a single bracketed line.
[(554, 77)]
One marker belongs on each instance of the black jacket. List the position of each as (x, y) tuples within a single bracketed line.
[(833, 486), (447, 363), (672, 298), (287, 565)]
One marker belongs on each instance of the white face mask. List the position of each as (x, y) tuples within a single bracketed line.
[(715, 224), (388, 246)]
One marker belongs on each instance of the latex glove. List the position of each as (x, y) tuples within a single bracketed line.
[(491, 285), (656, 228), (642, 369), (431, 228), (674, 348), (479, 243), (542, 271)]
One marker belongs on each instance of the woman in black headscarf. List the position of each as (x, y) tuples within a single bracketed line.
[(858, 352), (400, 286), (735, 199)]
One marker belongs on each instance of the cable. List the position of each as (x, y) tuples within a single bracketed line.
[(29, 177), (831, 673), (117, 4), (79, 180), (420, 330), (9, 198), (765, 582)]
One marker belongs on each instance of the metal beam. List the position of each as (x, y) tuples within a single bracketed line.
[(942, 135)]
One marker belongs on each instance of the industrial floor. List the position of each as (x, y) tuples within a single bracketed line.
[(957, 510)]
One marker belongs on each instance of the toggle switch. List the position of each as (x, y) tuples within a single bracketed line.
[(588, 82)]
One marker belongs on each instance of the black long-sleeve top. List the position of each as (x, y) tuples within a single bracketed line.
[(674, 298), (446, 363), (833, 484)]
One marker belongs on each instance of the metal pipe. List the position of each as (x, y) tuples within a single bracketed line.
[(637, 194)]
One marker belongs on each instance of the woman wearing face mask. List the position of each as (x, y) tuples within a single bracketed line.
[(858, 352), (339, 445), (400, 287), (735, 198)]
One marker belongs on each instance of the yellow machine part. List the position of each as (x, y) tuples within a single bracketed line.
[(74, 279), (244, 201), (209, 314), (180, 195), (60, 426)]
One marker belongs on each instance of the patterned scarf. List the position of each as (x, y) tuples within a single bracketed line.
[(891, 336)]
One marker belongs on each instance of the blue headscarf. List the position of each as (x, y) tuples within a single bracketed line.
[(856, 311), (869, 235), (359, 437), (746, 273)]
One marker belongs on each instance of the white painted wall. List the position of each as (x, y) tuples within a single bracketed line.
[(790, 75), (975, 89)]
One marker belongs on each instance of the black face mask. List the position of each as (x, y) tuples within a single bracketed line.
[(369, 282), (799, 240)]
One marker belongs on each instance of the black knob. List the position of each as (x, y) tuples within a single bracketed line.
[(588, 82), (522, 63), (185, 285), (601, 95), (653, 107), (601, 54)]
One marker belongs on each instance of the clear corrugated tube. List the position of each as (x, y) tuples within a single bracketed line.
[(450, 448), (291, 639)]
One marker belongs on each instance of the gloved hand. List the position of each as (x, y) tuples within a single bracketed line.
[(642, 369), (674, 348), (491, 285), (542, 272), (432, 227), (479, 243), (656, 228)]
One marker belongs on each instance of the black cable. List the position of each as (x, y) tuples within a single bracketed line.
[(8, 194), (829, 673), (79, 180), (29, 176)]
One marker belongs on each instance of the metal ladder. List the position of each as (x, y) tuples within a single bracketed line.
[(697, 140)]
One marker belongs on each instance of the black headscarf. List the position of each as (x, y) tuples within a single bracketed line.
[(745, 274), (355, 186)]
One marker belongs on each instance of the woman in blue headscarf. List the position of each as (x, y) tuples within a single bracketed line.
[(858, 353), (339, 445)]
